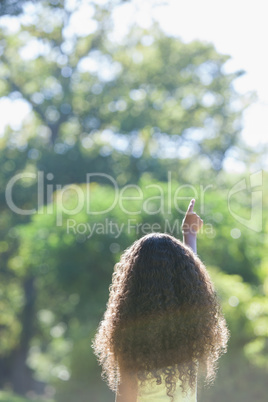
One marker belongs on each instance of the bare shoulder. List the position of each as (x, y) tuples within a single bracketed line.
[(127, 389)]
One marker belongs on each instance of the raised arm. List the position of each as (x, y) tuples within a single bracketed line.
[(190, 226)]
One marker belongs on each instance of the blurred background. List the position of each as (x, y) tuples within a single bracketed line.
[(163, 101)]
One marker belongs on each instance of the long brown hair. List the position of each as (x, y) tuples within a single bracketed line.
[(163, 317)]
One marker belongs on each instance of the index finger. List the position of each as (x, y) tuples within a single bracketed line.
[(191, 207)]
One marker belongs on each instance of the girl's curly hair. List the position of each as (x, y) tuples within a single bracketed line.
[(163, 318)]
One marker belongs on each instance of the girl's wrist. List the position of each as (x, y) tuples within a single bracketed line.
[(187, 233), (189, 239)]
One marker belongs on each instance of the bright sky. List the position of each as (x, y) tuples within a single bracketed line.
[(236, 27)]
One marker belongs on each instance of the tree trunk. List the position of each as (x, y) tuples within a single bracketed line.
[(18, 374)]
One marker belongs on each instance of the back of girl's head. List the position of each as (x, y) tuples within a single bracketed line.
[(162, 317), (159, 274), (164, 265)]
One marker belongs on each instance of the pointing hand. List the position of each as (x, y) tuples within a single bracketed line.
[(191, 222)]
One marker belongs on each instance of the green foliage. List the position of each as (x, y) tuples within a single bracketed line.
[(9, 397), (79, 264), (150, 111), (149, 98)]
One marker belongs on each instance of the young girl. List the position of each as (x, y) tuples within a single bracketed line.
[(163, 321)]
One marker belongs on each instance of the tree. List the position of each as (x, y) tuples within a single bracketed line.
[(146, 106), (154, 94), (72, 264), (11, 7)]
